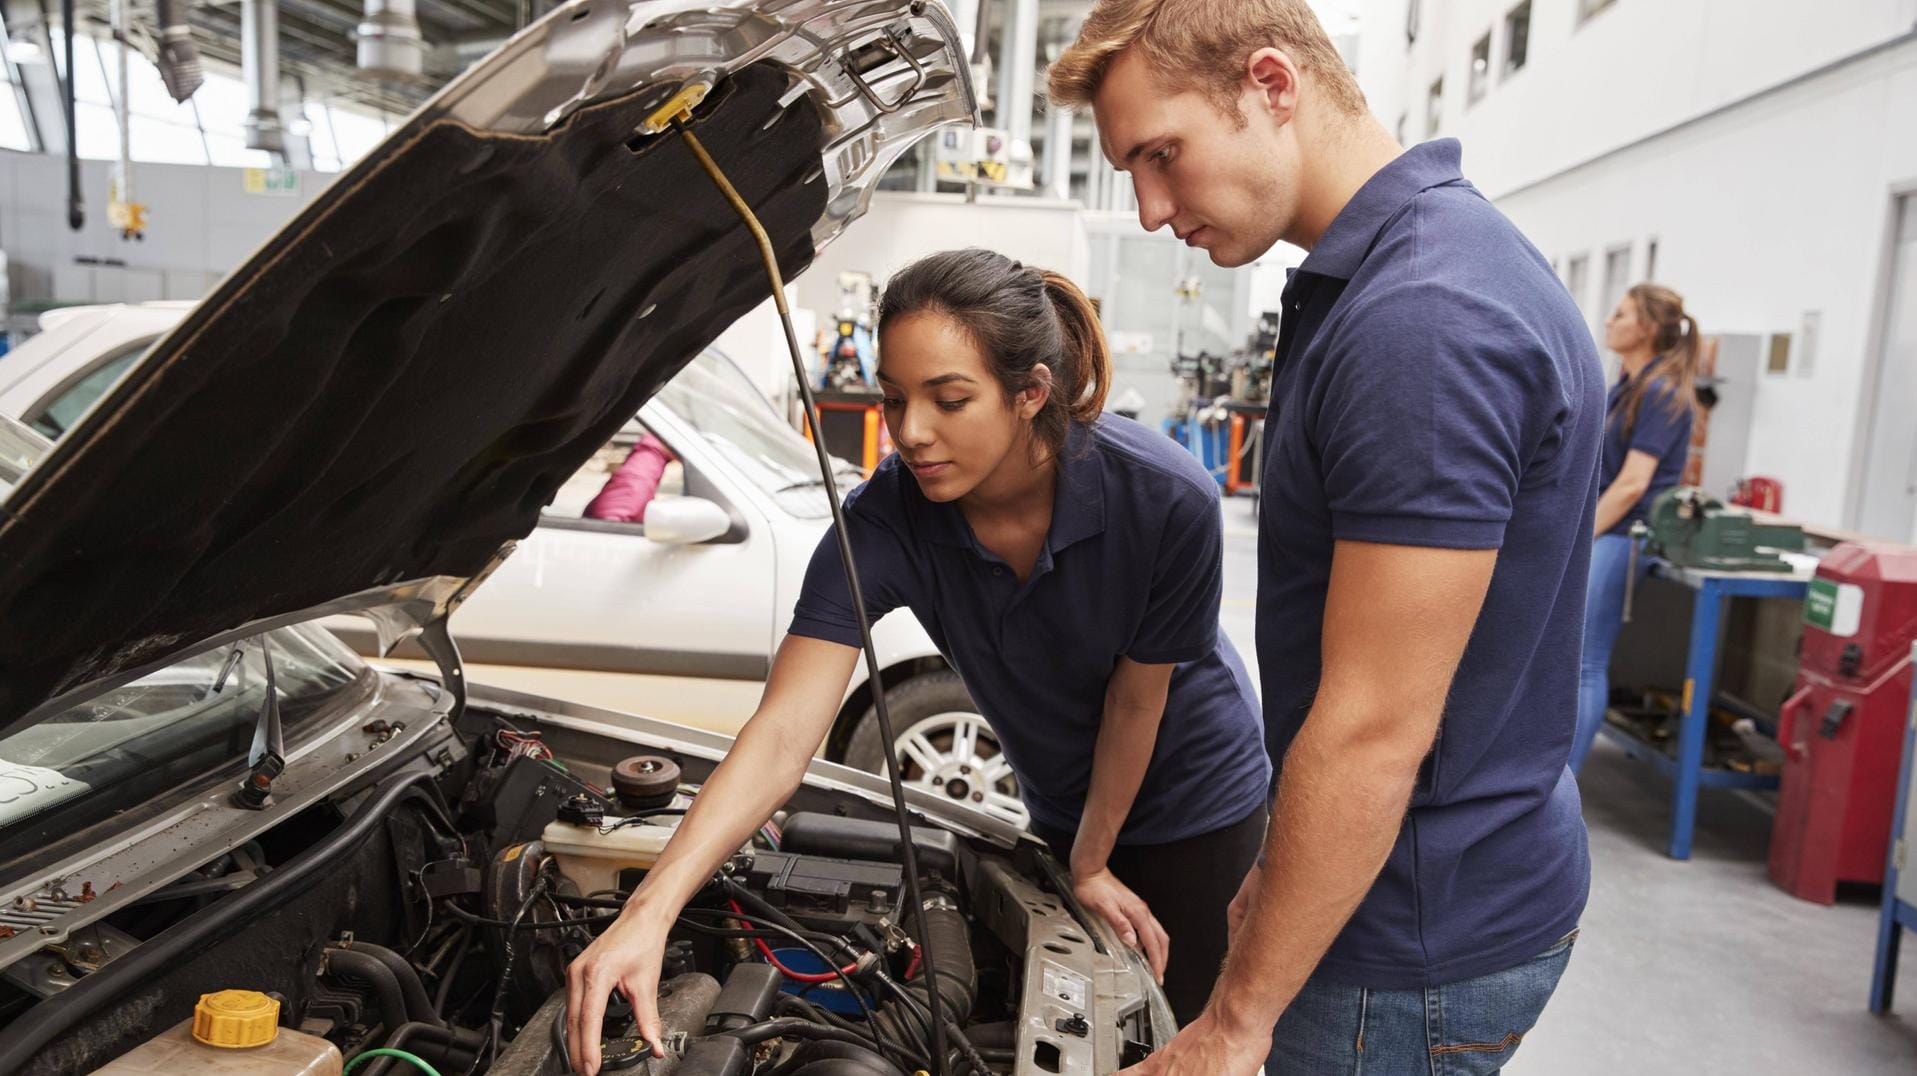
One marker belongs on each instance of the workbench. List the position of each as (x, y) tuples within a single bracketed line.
[(1687, 771), (1900, 875)]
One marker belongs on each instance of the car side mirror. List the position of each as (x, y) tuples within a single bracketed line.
[(685, 520)]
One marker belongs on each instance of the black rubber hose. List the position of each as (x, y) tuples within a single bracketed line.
[(32, 1030), (451, 973), (368, 969), (418, 1005), (467, 1043), (792, 1027), (956, 975)]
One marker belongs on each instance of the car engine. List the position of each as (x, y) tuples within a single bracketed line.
[(467, 878)]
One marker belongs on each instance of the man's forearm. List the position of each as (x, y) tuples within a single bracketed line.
[(1340, 804)]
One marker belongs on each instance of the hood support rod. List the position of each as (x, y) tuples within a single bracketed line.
[(676, 115)]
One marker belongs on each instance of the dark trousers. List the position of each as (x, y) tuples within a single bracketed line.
[(1187, 884)]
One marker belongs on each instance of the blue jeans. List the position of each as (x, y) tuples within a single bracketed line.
[(1461, 1028), (1603, 619)]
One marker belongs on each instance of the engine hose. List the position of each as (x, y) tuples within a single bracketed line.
[(956, 975), (32, 1030), (368, 969), (458, 1044), (418, 1005), (793, 1027)]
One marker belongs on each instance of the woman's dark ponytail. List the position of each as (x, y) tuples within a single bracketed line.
[(1020, 317), (1087, 358)]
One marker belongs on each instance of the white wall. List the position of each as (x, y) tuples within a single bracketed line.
[(1763, 213), (902, 227), (201, 223), (1631, 71)]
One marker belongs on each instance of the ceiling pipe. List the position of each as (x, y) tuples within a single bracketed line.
[(179, 59), (260, 69), (390, 45)]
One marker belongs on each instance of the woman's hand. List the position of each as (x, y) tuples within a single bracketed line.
[(625, 958), (1104, 895)]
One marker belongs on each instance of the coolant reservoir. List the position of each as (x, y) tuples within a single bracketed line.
[(591, 857), (233, 1031)]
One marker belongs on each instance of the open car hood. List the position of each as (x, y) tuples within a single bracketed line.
[(375, 405)]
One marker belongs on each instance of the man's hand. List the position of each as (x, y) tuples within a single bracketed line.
[(1240, 905), (1104, 895), (1209, 1046)]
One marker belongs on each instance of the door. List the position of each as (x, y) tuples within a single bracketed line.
[(1889, 508), (595, 611)]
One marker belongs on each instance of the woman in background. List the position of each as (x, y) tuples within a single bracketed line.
[(1647, 437)]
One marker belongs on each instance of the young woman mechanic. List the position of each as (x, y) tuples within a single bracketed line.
[(1068, 565), (1647, 436)]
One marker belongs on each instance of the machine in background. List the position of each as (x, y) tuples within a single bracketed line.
[(1218, 412), (1843, 726)]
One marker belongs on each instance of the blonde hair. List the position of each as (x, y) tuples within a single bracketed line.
[(1203, 44)]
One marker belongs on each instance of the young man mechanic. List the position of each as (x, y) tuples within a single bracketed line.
[(1431, 472)]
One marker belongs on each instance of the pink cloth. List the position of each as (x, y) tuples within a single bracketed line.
[(632, 486)]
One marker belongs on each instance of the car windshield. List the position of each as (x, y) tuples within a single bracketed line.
[(715, 398), (120, 749)]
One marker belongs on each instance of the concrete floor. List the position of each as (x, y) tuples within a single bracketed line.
[(1695, 967)]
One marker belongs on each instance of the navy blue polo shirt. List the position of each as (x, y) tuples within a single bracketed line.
[(1436, 386), (1132, 567), (1663, 429)]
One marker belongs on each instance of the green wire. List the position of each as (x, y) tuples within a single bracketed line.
[(417, 1061)]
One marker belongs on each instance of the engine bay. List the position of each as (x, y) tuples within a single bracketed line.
[(468, 876)]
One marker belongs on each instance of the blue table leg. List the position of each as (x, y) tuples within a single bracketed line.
[(1696, 717), (1883, 974), (1890, 932)]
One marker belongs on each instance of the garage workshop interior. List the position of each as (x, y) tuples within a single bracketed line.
[(434, 433)]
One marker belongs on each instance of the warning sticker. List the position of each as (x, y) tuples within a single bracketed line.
[(1069, 987), (1838, 608)]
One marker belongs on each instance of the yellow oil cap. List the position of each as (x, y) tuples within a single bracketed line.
[(235, 1019)]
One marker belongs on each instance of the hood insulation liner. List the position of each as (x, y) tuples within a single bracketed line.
[(397, 383)]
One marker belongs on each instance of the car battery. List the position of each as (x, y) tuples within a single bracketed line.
[(1842, 728)]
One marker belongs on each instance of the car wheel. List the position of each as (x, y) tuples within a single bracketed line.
[(944, 746)]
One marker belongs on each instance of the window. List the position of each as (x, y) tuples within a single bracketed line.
[(1617, 279), (355, 133), (1480, 70), (13, 118), (68, 403), (1589, 8), (1575, 277), (159, 129), (1434, 108), (1517, 38)]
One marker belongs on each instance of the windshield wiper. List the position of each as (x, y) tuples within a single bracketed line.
[(268, 755)]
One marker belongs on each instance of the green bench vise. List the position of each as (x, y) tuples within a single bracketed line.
[(1690, 528)]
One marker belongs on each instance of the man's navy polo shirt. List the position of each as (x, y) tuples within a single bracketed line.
[(1436, 386), (1663, 429), (1132, 567)]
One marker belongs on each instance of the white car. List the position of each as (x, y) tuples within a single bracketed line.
[(215, 817), (567, 615)]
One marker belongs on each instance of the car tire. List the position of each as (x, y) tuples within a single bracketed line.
[(945, 746)]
